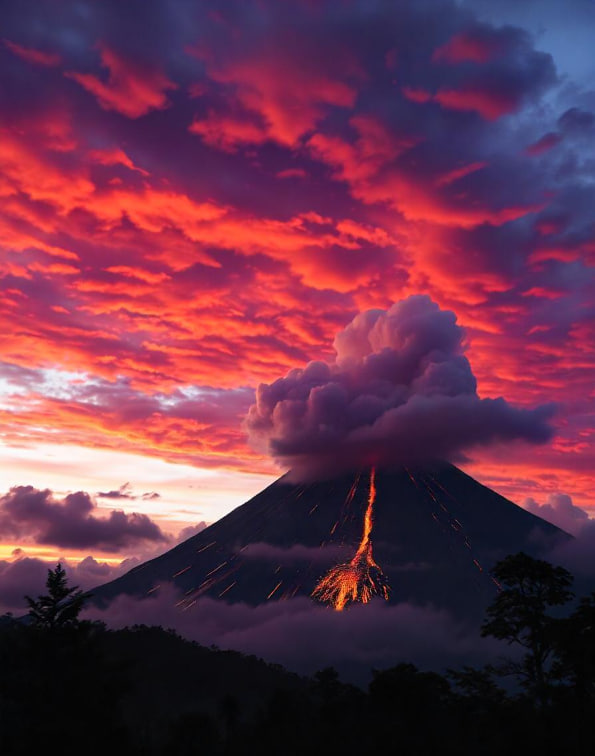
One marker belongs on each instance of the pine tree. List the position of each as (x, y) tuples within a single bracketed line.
[(61, 605)]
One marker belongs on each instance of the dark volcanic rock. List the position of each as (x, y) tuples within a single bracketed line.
[(436, 534)]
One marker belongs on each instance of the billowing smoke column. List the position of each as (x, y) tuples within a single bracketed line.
[(400, 391)]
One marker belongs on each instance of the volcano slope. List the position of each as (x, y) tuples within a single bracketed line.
[(427, 536)]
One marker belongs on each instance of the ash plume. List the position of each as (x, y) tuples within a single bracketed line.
[(400, 391)]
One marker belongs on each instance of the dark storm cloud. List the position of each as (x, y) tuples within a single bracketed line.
[(400, 390), (72, 522)]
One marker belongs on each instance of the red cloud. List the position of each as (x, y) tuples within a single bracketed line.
[(544, 144), (130, 89), (415, 94), (133, 250), (472, 45), (115, 156), (488, 103), (228, 132), (31, 55), (282, 95)]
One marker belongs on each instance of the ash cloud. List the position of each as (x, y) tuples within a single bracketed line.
[(399, 391), (38, 516)]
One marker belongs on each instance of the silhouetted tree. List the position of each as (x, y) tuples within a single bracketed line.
[(575, 665), (519, 614), (61, 606)]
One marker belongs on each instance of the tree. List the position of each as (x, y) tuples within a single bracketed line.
[(575, 665), (61, 605), (519, 614)]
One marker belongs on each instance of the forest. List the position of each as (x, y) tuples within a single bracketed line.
[(77, 686)]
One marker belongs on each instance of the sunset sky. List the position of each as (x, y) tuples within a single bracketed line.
[(197, 197)]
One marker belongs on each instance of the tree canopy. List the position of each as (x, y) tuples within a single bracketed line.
[(61, 606)]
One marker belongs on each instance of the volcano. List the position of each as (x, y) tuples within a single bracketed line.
[(427, 536)]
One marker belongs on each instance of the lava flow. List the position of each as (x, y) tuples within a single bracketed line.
[(360, 579)]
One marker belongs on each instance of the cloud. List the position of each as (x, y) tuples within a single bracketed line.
[(26, 576), (478, 44), (400, 390), (559, 510), (191, 530), (303, 118), (125, 492), (130, 89), (306, 637), (31, 55), (298, 552), (578, 556), (37, 516), (544, 143)]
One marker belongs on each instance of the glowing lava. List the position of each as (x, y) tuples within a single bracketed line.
[(360, 579)]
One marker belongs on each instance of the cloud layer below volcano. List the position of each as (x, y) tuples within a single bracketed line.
[(400, 390)]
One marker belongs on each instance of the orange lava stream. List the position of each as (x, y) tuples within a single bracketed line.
[(360, 579)]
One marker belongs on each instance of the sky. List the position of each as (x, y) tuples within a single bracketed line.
[(197, 200)]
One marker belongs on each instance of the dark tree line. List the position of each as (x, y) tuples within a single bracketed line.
[(85, 689)]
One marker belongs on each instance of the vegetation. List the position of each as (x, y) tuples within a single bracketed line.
[(145, 690), (61, 605)]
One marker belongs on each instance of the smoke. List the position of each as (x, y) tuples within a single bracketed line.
[(399, 391)]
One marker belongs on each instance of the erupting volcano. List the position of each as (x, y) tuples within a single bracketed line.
[(360, 579), (436, 533)]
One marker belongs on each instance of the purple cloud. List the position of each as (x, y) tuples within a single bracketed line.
[(125, 492), (559, 510), (305, 637), (72, 522), (27, 575), (191, 530), (298, 552), (400, 390)]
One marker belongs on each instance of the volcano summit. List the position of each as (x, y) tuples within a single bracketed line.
[(427, 536)]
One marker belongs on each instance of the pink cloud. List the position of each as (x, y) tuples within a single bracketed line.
[(131, 90), (228, 133), (31, 55), (478, 45), (489, 103)]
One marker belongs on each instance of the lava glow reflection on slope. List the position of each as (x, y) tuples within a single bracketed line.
[(360, 579)]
